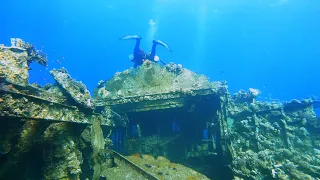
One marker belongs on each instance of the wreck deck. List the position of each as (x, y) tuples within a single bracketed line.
[(160, 101), (29, 103)]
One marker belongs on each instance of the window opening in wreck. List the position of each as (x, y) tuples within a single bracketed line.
[(184, 135)]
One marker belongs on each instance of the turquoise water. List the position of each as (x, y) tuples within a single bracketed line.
[(270, 45)]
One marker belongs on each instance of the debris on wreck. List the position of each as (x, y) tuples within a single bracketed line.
[(76, 89), (273, 139), (39, 123), (15, 61)]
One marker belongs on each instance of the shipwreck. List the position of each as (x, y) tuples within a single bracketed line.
[(152, 122)]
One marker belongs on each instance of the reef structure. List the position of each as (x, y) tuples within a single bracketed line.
[(273, 139), (15, 60), (55, 131), (153, 122), (44, 123), (157, 99), (155, 87), (77, 90), (250, 138)]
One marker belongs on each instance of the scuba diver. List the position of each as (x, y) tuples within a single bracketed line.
[(139, 56)]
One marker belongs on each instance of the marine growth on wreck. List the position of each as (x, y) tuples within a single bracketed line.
[(152, 122)]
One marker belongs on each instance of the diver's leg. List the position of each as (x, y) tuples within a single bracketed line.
[(153, 50), (137, 46), (137, 38)]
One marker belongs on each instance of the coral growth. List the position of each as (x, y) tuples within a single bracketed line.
[(62, 155), (272, 140), (151, 78), (76, 89), (15, 60)]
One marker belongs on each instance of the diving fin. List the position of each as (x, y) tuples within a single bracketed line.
[(130, 37), (162, 44)]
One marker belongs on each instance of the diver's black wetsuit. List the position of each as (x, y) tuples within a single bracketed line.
[(140, 56), (153, 50)]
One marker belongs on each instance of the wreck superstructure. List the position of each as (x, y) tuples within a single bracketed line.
[(168, 108), (152, 122)]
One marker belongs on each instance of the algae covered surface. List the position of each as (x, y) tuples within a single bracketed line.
[(77, 90), (15, 60), (152, 78), (274, 140)]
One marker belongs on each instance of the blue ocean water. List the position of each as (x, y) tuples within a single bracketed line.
[(272, 45)]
